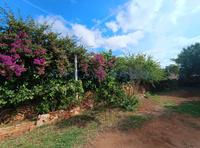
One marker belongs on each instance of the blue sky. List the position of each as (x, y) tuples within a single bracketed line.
[(160, 28)]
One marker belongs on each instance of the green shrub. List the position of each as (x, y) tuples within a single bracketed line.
[(111, 93), (51, 95), (129, 103), (15, 96), (59, 95), (139, 68)]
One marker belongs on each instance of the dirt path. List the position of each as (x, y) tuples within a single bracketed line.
[(164, 130)]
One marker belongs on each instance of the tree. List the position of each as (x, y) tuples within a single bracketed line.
[(140, 68), (172, 71), (189, 61)]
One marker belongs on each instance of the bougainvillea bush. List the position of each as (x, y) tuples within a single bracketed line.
[(19, 55), (32, 58), (98, 74), (95, 68), (37, 65)]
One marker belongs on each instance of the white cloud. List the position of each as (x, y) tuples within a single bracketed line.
[(57, 23), (184, 41), (169, 47), (167, 25), (145, 15), (139, 14), (95, 39), (91, 38), (113, 26), (123, 41)]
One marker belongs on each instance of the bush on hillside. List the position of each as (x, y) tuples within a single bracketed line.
[(34, 58), (189, 61), (111, 93), (140, 69)]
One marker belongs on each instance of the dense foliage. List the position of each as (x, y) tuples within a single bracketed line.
[(189, 61), (141, 69), (36, 64), (111, 93), (98, 75), (172, 71), (95, 68)]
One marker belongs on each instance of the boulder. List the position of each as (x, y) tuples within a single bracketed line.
[(46, 119)]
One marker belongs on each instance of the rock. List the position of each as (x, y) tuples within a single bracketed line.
[(75, 111), (45, 119)]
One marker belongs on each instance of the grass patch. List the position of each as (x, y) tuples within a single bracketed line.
[(163, 102), (191, 108), (51, 137), (73, 132), (134, 121), (152, 96), (68, 133)]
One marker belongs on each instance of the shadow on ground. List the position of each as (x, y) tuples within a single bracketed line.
[(80, 121), (132, 121), (83, 120), (189, 107), (183, 92)]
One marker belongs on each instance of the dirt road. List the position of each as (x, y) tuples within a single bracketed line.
[(166, 129)]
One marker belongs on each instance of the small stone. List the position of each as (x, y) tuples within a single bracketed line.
[(42, 119), (75, 111)]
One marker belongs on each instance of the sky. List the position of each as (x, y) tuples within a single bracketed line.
[(159, 28)]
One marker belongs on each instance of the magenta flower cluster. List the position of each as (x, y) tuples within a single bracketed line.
[(8, 66), (41, 64), (100, 73), (20, 44), (99, 61), (12, 60), (40, 52), (97, 65)]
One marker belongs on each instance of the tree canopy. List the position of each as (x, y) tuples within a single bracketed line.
[(139, 68), (172, 71), (189, 61)]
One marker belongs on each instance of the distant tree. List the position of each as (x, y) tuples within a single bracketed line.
[(140, 69), (189, 62), (172, 71)]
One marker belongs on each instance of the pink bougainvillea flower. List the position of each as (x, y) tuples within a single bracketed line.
[(40, 52), (10, 66), (13, 50), (27, 51), (41, 64), (16, 56), (99, 59), (19, 69), (6, 60), (39, 61), (100, 73)]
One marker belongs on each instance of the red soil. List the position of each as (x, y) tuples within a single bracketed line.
[(163, 131)]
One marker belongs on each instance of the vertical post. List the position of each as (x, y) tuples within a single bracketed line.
[(76, 67), (76, 72)]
